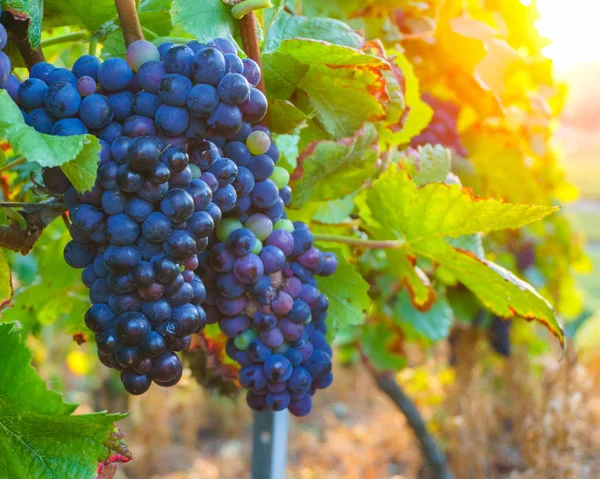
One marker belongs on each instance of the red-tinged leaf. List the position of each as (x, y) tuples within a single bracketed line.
[(210, 365), (328, 170)]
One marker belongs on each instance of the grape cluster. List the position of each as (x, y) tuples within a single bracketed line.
[(186, 223), (136, 235), (442, 129), (259, 274)]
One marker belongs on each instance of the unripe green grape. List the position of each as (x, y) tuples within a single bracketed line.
[(261, 225), (286, 225), (280, 177), (258, 246), (258, 142), (226, 227), (140, 52), (196, 172), (243, 340)]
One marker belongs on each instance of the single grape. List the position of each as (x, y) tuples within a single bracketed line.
[(280, 177), (150, 75), (140, 52), (61, 75), (114, 74), (178, 59), (171, 119), (174, 89), (31, 93), (258, 142), (95, 111), (225, 121), (86, 66), (121, 104), (208, 66), (145, 104), (202, 100), (68, 127), (86, 86), (41, 120), (255, 107), (62, 99)]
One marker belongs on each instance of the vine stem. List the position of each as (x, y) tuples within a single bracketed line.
[(18, 28), (249, 31), (129, 20), (8, 166), (69, 37), (373, 244), (432, 454), (17, 204)]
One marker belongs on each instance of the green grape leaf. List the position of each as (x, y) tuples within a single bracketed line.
[(334, 211), (154, 15), (57, 293), (288, 26), (6, 288), (30, 10), (288, 150), (284, 117), (433, 324), (498, 289), (347, 293), (419, 113), (335, 74), (76, 155), (88, 14), (382, 346), (39, 436), (271, 15), (282, 75), (470, 243), (441, 210), (432, 164), (328, 169), (421, 218), (113, 45), (205, 20), (419, 287)]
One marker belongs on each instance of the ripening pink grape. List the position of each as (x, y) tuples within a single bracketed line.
[(258, 142), (140, 52), (86, 86)]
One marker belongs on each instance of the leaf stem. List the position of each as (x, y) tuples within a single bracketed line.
[(372, 244), (8, 166), (149, 33), (69, 37), (93, 46), (248, 6)]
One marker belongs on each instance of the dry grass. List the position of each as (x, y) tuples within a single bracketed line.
[(514, 419)]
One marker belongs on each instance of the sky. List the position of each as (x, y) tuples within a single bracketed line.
[(574, 28)]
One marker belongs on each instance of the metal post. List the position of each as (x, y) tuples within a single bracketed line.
[(269, 444)]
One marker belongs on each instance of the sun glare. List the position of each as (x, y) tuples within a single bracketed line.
[(574, 29)]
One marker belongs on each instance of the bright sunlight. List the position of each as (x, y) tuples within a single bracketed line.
[(573, 28)]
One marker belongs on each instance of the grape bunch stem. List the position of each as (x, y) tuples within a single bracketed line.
[(129, 20)]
